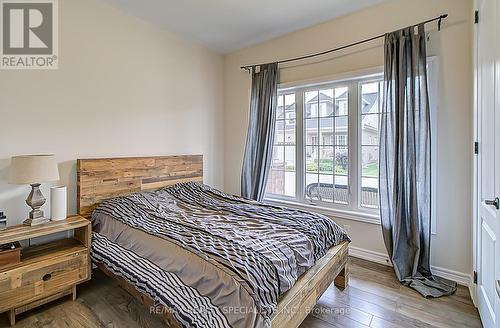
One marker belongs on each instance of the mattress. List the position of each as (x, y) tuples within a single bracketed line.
[(225, 260)]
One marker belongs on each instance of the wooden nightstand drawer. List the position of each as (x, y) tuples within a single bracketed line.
[(26, 284), (48, 271)]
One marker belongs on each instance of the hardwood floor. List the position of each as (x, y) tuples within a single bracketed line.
[(374, 298)]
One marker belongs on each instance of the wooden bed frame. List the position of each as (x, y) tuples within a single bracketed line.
[(104, 178)]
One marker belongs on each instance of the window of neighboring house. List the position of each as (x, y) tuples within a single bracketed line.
[(325, 108), (329, 157), (312, 109), (342, 106)]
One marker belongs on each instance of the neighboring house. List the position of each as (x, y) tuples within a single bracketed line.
[(326, 125), (370, 127)]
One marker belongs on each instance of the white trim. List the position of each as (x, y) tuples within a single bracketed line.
[(335, 213), (474, 159), (368, 255), (460, 278), (333, 78)]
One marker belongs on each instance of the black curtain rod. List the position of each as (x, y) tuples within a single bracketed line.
[(249, 67)]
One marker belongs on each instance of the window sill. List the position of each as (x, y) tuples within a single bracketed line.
[(336, 213)]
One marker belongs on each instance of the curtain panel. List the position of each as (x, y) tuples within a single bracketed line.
[(405, 157), (260, 136)]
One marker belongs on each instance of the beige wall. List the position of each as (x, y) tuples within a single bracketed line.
[(126, 88), (123, 87), (451, 247)]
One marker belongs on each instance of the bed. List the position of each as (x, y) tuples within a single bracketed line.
[(200, 257)]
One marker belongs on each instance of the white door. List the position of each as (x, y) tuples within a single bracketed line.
[(488, 133)]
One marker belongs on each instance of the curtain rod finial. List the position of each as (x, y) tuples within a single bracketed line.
[(247, 68), (440, 20)]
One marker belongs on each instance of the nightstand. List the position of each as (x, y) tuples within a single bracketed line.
[(46, 272)]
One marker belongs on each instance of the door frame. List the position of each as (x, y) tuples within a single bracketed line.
[(475, 179)]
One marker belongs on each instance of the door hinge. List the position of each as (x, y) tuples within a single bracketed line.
[(476, 147), (475, 277), (476, 17)]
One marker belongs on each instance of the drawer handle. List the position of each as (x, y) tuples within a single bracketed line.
[(47, 277)]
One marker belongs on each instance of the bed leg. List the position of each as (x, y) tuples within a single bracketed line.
[(343, 277), (12, 317)]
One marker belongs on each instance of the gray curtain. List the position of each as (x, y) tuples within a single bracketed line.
[(405, 157), (260, 136)]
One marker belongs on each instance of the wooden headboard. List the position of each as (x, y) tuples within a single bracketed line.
[(103, 178)]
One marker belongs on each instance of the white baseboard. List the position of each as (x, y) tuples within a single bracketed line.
[(460, 278), (368, 255)]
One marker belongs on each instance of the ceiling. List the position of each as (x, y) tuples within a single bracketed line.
[(228, 25)]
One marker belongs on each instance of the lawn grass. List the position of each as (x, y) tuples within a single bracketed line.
[(370, 170), (325, 166)]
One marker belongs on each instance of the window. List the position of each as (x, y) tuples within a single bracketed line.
[(327, 155)]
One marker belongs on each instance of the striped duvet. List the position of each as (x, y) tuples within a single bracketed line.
[(228, 258)]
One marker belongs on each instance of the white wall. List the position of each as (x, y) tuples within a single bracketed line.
[(123, 88), (451, 247)]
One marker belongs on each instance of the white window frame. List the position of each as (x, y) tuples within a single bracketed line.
[(353, 80)]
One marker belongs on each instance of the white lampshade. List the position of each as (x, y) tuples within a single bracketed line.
[(30, 169)]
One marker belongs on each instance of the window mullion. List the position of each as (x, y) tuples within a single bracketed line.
[(299, 144), (353, 147)]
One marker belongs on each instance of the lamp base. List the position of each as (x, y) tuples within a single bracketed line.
[(35, 200), (34, 222)]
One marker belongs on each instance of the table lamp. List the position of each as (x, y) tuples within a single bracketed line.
[(33, 170)]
